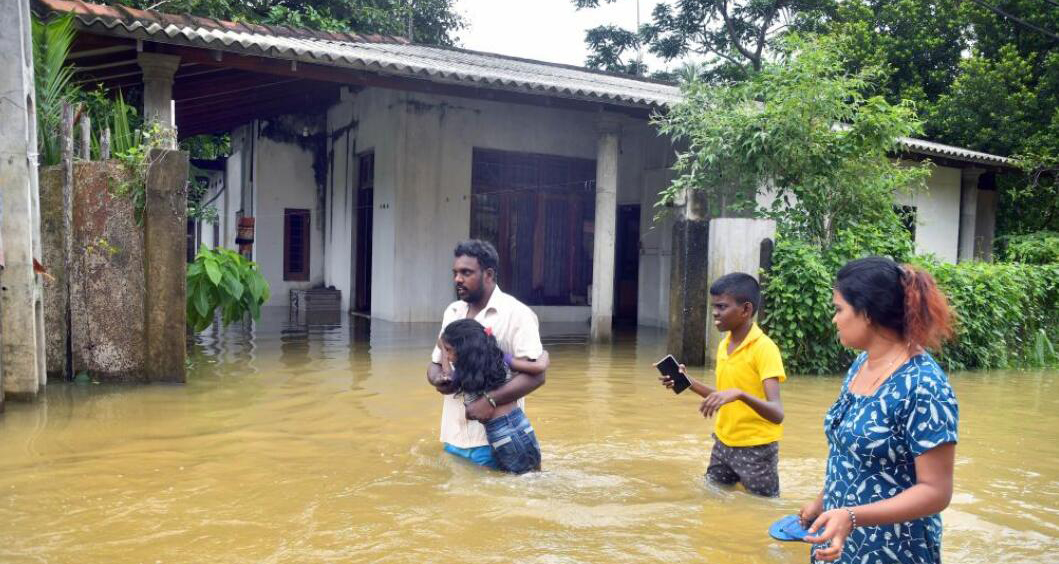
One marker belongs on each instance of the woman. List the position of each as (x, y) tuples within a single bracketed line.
[(892, 431)]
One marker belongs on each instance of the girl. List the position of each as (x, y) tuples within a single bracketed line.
[(892, 432), (481, 367)]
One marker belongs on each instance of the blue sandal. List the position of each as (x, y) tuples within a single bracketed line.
[(788, 528)]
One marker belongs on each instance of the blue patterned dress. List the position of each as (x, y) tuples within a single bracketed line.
[(872, 445)]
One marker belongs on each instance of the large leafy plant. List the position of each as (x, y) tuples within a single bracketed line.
[(52, 82), (222, 279)]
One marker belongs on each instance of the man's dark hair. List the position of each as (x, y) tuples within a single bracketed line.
[(481, 250), (741, 286)]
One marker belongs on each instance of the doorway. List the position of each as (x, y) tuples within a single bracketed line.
[(627, 265), (365, 207)]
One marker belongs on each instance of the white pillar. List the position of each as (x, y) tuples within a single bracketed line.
[(968, 212), (734, 246), (605, 236), (158, 72), (21, 311)]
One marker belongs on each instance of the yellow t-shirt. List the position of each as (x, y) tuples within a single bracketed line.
[(756, 360)]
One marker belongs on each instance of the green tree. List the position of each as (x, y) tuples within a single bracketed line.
[(802, 130), (433, 21), (734, 37), (984, 75)]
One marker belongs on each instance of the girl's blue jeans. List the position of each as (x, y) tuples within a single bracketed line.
[(515, 446)]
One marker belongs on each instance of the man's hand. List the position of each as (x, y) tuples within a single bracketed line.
[(714, 401), (480, 410)]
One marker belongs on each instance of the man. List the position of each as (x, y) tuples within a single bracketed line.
[(516, 330)]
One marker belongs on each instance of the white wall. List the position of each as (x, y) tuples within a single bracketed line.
[(734, 246), (338, 240), (284, 179), (937, 213)]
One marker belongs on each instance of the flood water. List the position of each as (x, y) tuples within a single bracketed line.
[(304, 443)]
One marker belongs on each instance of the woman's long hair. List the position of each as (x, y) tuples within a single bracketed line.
[(479, 360), (903, 298)]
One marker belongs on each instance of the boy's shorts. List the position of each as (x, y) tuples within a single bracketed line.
[(757, 467)]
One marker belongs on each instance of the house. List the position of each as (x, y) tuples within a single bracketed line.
[(364, 159)]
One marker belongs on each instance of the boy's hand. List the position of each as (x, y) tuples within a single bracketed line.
[(714, 401), (668, 382)]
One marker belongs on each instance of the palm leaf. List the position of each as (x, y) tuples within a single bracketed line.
[(51, 46)]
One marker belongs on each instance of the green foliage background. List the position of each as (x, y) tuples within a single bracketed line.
[(1006, 312)]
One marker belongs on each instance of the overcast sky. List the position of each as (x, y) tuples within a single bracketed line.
[(545, 30)]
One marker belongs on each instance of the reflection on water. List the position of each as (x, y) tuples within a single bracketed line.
[(315, 440)]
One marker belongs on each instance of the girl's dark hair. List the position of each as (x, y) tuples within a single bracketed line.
[(903, 298), (479, 360)]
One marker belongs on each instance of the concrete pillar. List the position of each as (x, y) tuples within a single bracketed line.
[(165, 222), (158, 71), (985, 225), (734, 246), (968, 212), (21, 311), (605, 232), (688, 283)]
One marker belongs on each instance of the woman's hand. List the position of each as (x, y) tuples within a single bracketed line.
[(811, 510), (836, 524)]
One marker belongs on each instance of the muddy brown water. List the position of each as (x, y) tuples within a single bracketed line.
[(299, 443)]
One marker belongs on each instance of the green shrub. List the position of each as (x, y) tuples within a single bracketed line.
[(798, 295), (1041, 247), (223, 279), (1006, 312)]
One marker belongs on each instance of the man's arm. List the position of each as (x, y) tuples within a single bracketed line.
[(519, 386)]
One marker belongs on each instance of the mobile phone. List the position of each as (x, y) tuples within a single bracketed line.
[(669, 366)]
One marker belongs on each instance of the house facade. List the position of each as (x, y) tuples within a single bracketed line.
[(364, 160)]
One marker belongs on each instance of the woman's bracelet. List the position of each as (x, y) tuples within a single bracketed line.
[(852, 517)]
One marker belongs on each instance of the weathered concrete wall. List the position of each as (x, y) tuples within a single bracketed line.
[(165, 264), (107, 291), (56, 292), (338, 256), (985, 224)]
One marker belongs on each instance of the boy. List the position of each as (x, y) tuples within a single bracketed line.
[(747, 399)]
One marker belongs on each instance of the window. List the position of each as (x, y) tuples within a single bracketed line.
[(539, 212), (296, 245)]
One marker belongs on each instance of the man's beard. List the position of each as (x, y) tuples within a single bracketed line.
[(469, 296)]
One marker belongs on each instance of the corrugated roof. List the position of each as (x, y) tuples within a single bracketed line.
[(396, 56), (930, 148), (385, 55)]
